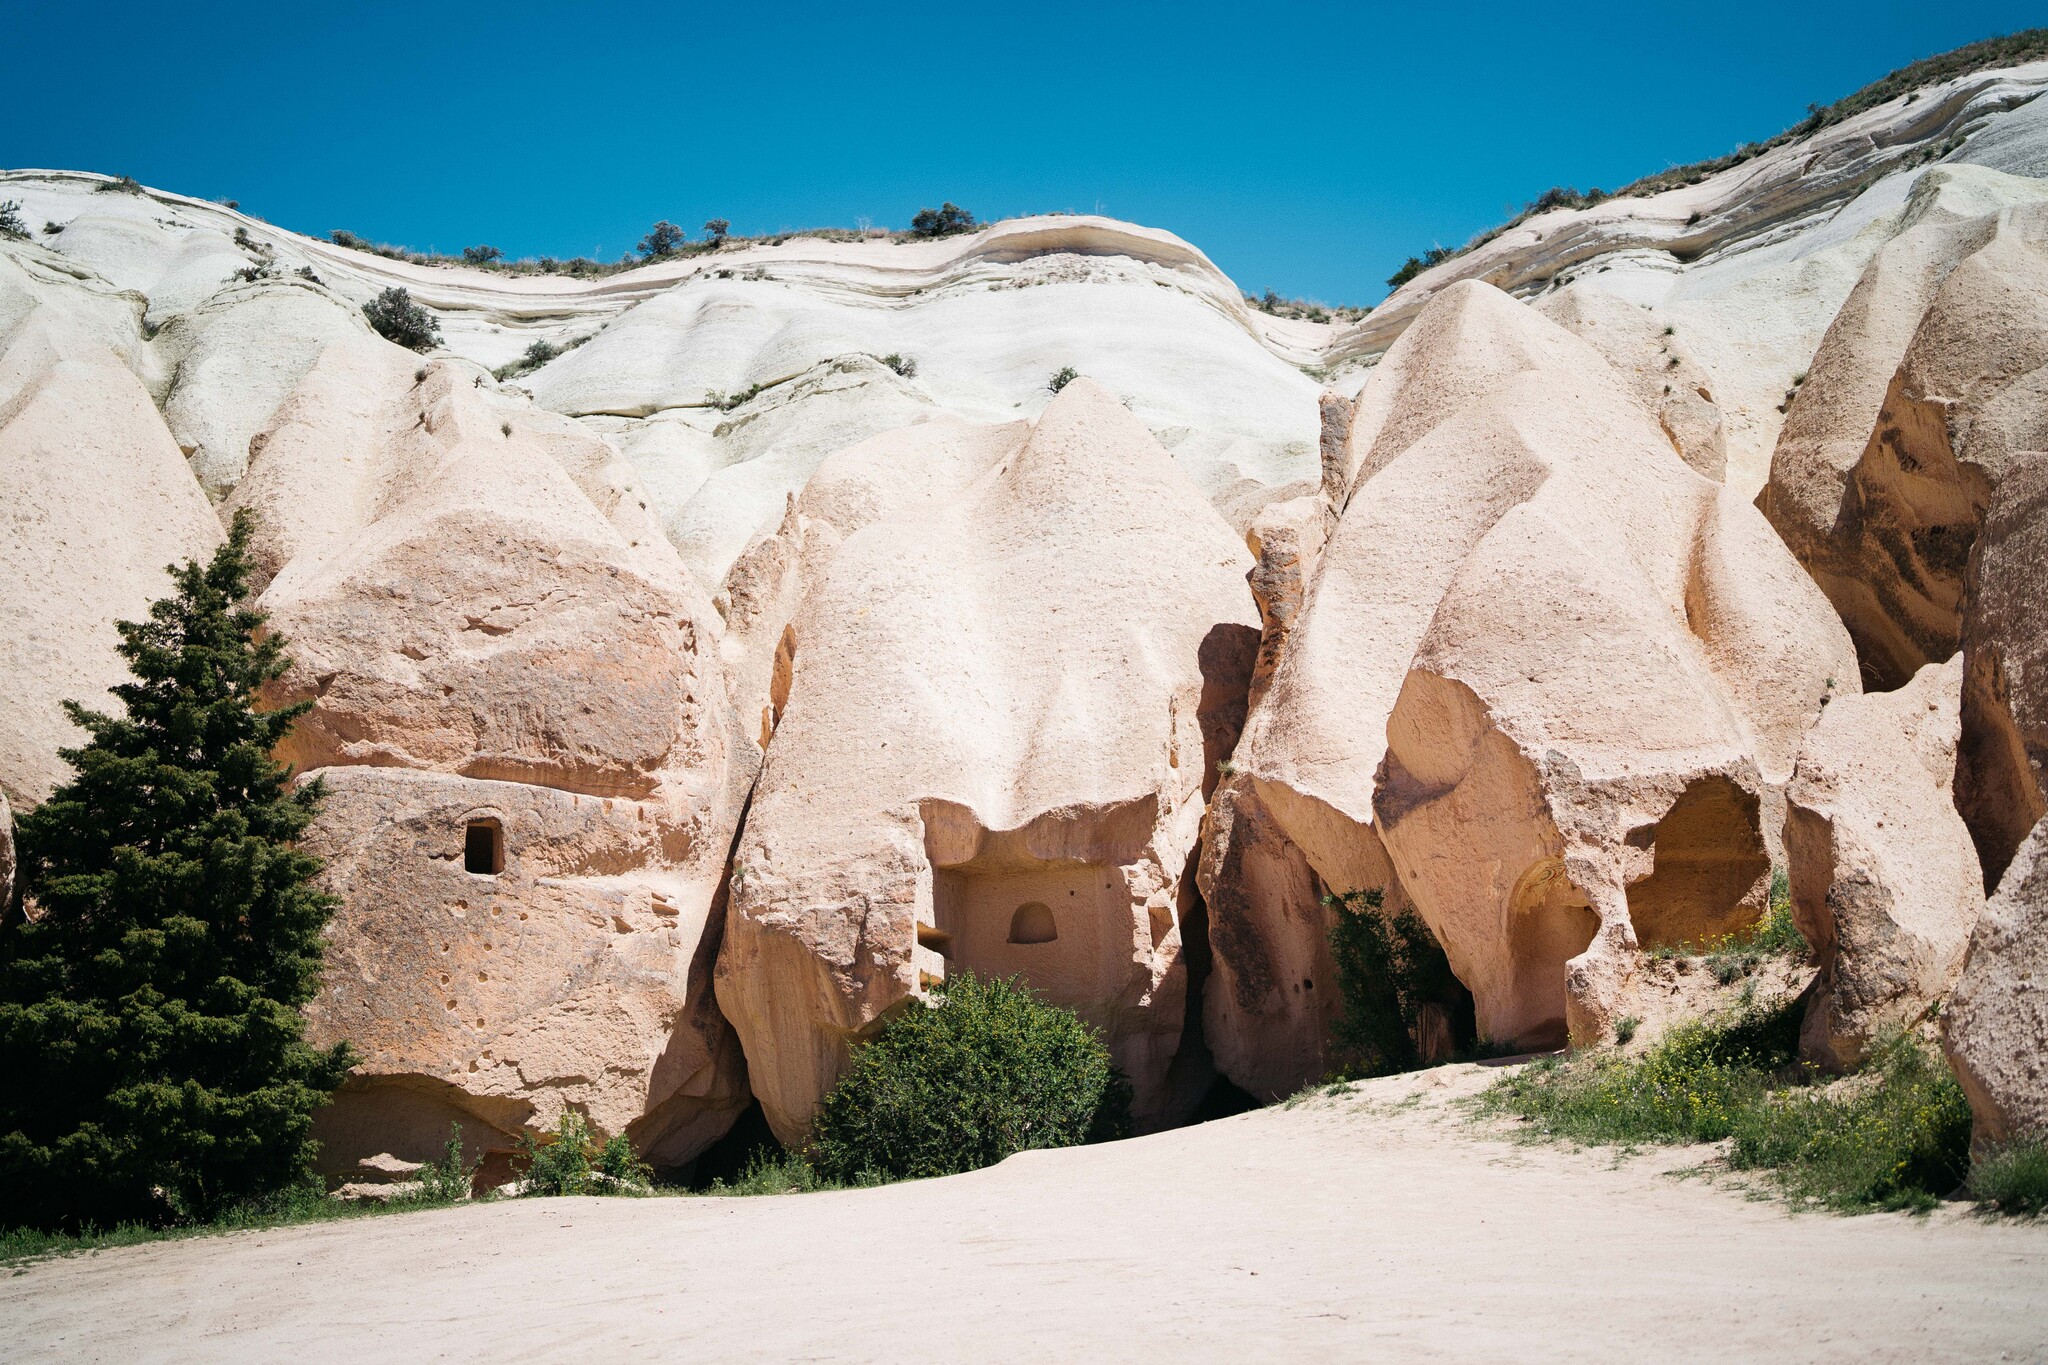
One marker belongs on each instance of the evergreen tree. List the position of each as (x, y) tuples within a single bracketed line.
[(153, 1062)]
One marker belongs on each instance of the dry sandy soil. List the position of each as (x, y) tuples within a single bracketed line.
[(1378, 1225)]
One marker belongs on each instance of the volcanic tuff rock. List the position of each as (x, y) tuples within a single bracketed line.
[(2002, 766), (992, 758), (1932, 377), (1547, 683), (1885, 882), (98, 502), (534, 772), (1997, 1017)]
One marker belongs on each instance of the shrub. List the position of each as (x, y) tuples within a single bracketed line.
[(2013, 1179), (1388, 968), (1733, 956), (10, 220), (944, 221), (150, 1033), (481, 255), (903, 365), (1063, 376), (662, 241), (343, 237), (1415, 265), (716, 230), (771, 1170), (563, 1164), (987, 1071), (397, 318), (448, 1180), (126, 184)]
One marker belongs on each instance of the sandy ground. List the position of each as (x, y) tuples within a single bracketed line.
[(1373, 1226)]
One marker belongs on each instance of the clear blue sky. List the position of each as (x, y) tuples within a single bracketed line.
[(1307, 148)]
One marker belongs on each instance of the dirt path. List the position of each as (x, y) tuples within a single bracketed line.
[(1375, 1226)]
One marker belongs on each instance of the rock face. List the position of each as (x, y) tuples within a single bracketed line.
[(1548, 681), (993, 757), (1931, 380), (2002, 767), (1995, 1021), (98, 502), (1885, 883), (6, 856), (535, 776)]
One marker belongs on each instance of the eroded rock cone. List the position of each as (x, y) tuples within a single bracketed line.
[(1548, 683), (535, 775), (1885, 883), (993, 757)]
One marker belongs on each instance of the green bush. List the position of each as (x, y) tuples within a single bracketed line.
[(570, 1161), (716, 230), (154, 1056), (662, 241), (1896, 1137), (10, 220), (397, 318), (482, 255), (944, 221), (773, 1171), (1415, 265), (1388, 968), (1063, 376), (2013, 1179), (987, 1071), (903, 365), (125, 184), (450, 1179)]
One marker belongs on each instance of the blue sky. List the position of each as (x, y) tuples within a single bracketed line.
[(1307, 148)]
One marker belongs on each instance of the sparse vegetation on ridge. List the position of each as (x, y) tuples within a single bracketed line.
[(2008, 50), (947, 220), (1729, 957), (10, 220), (126, 184), (1063, 376)]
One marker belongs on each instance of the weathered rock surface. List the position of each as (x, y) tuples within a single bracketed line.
[(97, 502), (1997, 1017), (1885, 883), (993, 758), (2002, 766), (6, 855), (535, 774), (1548, 681), (1931, 379)]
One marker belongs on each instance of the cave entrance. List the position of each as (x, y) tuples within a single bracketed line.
[(483, 848), (1550, 922), (1711, 872)]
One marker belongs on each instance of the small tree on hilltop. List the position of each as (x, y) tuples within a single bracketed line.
[(482, 255), (943, 221), (397, 318), (664, 239), (151, 978), (10, 220), (716, 230)]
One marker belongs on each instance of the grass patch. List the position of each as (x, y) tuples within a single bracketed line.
[(2013, 1179), (1730, 957), (773, 1171), (1895, 1137)]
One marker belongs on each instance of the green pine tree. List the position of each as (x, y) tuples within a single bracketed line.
[(153, 1062)]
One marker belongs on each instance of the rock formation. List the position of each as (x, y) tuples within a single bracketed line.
[(1930, 381), (1885, 883), (1547, 684), (99, 502), (1003, 712), (1994, 1023), (2002, 767), (534, 773)]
